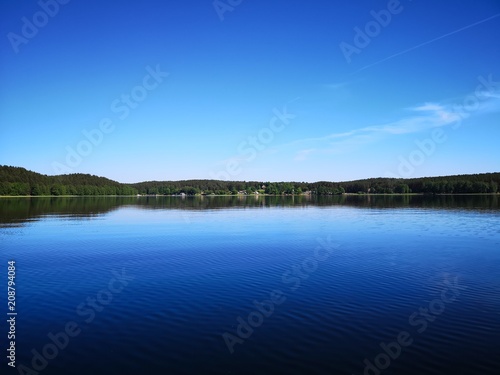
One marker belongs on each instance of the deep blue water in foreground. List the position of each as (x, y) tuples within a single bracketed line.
[(162, 287)]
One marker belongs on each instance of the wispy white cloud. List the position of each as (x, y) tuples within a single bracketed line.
[(420, 118), (428, 107)]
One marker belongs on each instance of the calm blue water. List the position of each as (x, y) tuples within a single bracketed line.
[(163, 287)]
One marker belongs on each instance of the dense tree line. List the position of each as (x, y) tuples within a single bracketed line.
[(462, 184), (459, 184), (193, 187), (19, 181)]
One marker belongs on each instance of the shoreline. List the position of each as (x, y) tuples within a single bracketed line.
[(249, 195)]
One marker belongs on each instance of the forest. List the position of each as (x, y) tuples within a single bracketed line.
[(17, 181), (20, 181)]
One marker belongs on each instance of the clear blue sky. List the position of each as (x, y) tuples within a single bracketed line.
[(350, 107)]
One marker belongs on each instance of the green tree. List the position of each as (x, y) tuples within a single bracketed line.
[(402, 189)]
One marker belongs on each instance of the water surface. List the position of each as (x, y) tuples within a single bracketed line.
[(347, 273)]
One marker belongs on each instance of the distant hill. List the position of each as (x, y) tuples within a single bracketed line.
[(20, 181), (459, 184)]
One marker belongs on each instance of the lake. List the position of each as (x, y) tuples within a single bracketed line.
[(253, 285)]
